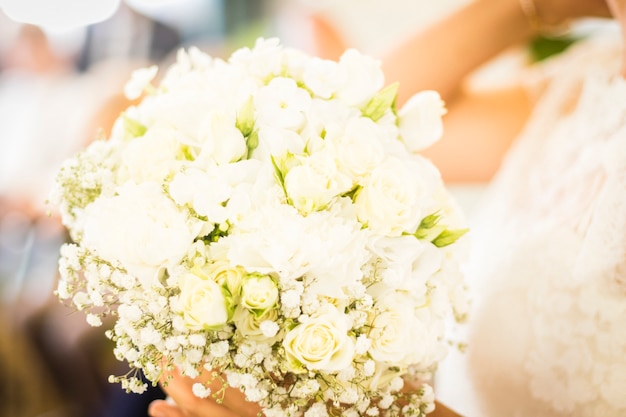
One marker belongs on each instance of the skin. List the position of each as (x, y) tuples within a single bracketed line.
[(488, 28)]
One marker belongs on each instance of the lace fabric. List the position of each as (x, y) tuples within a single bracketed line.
[(549, 261)]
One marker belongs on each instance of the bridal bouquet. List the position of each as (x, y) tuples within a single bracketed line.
[(269, 217)]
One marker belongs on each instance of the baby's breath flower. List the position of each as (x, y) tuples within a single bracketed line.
[(369, 367), (200, 390), (269, 328), (316, 410), (94, 320), (372, 411), (362, 345)]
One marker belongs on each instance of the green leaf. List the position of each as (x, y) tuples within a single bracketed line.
[(542, 47), (448, 237), (280, 175), (352, 193), (381, 102), (132, 127)]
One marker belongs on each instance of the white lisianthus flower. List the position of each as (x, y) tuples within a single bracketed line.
[(259, 294), (277, 141), (361, 77), (282, 104), (320, 344), (204, 191), (263, 60), (181, 111), (220, 140), (140, 79), (322, 77), (202, 302), (156, 233), (394, 197), (420, 120)]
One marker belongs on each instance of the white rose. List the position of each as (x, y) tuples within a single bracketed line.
[(320, 344), (282, 104), (259, 294), (398, 336), (394, 198), (361, 78), (313, 184), (151, 157), (202, 303), (141, 228), (420, 120)]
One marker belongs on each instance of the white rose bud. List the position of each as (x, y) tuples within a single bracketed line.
[(420, 120), (250, 326), (259, 294), (227, 275)]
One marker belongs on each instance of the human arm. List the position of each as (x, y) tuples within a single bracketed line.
[(481, 122), (618, 10), (443, 54)]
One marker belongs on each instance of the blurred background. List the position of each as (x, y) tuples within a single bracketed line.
[(63, 64)]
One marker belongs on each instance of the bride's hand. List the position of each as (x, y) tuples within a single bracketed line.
[(186, 404)]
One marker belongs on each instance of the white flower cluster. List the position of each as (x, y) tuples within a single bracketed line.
[(268, 217)]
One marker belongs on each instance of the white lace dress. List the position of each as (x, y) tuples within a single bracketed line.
[(548, 335)]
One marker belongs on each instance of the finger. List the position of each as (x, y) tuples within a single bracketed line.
[(179, 388), (161, 408)]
